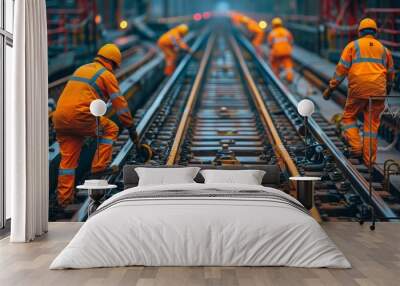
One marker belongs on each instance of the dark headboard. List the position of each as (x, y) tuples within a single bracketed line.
[(271, 177)]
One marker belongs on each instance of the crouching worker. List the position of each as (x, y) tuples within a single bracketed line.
[(74, 122), (170, 43), (368, 66)]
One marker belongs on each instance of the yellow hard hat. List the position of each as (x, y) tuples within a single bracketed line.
[(111, 52), (276, 22), (367, 23), (183, 29)]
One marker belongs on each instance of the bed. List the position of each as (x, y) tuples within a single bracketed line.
[(197, 224)]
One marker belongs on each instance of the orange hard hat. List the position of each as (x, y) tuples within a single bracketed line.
[(111, 52), (276, 22), (183, 29), (367, 23)]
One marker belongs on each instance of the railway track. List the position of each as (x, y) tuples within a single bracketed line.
[(229, 108), (220, 124), (231, 117)]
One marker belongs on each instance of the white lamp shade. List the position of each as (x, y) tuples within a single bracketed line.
[(305, 107), (98, 107)]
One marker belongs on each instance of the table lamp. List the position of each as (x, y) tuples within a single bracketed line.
[(305, 108), (98, 108)]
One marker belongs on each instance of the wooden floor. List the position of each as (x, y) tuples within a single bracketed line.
[(375, 257)]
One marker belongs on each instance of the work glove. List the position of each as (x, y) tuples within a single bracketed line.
[(327, 93), (389, 88), (190, 51), (134, 136)]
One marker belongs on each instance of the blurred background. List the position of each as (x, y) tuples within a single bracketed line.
[(79, 27)]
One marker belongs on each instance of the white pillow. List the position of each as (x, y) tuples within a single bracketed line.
[(248, 177), (166, 176)]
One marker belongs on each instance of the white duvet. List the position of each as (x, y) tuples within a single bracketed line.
[(200, 231)]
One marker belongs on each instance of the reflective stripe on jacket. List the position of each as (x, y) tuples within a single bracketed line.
[(368, 66), (253, 27), (172, 38), (280, 41), (89, 82)]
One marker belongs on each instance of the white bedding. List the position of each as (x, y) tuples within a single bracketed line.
[(185, 231)]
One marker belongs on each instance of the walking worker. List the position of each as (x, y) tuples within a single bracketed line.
[(368, 66), (74, 122), (257, 34), (170, 43), (280, 41)]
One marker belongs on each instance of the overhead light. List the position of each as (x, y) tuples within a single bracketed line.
[(97, 19), (197, 16), (206, 15), (123, 24), (263, 24)]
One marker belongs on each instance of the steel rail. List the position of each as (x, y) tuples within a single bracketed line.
[(344, 164), (147, 118), (278, 145), (182, 127)]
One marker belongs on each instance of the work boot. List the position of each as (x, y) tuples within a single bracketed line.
[(63, 204), (108, 171), (367, 162), (355, 154)]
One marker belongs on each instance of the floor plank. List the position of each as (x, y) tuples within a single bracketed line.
[(375, 257)]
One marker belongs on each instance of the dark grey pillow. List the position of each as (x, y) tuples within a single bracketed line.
[(271, 177)]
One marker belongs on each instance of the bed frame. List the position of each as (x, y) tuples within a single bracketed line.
[(272, 177)]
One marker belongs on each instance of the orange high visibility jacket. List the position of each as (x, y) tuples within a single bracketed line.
[(280, 41), (89, 82), (368, 65), (172, 38), (239, 19), (235, 18), (253, 27)]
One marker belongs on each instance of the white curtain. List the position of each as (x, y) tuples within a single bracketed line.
[(27, 124)]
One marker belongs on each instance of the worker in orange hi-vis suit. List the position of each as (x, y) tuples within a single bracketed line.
[(170, 43), (368, 66), (73, 120), (280, 41), (235, 17), (239, 19), (257, 34)]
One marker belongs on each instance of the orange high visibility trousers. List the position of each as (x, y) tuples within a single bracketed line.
[(353, 107), (71, 142), (257, 42), (276, 62), (170, 59)]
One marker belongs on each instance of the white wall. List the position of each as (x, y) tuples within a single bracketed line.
[(9, 62), (9, 12), (9, 23)]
